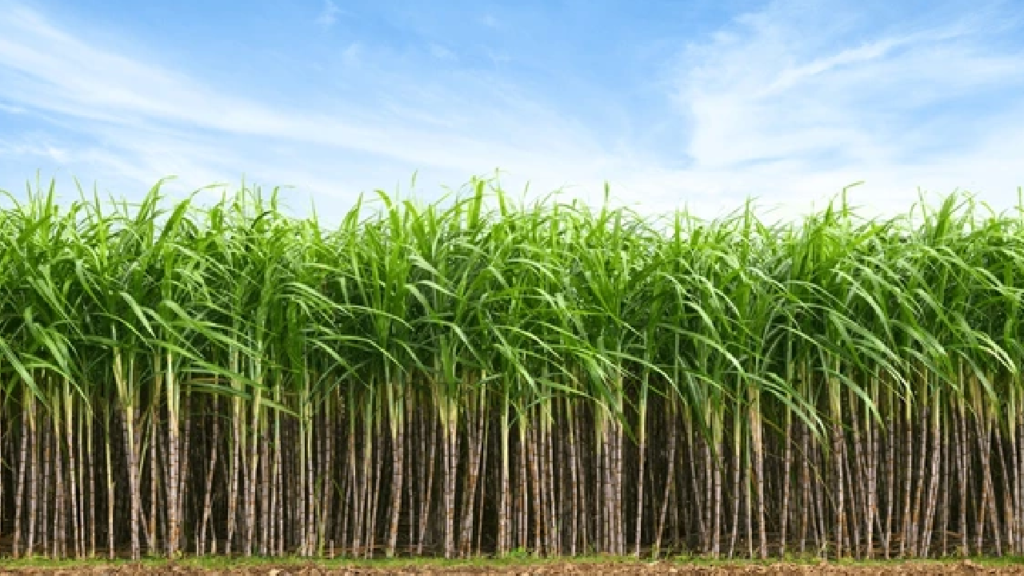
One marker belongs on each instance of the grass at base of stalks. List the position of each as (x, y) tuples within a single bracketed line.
[(485, 563)]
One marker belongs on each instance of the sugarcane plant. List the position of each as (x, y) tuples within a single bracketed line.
[(483, 375)]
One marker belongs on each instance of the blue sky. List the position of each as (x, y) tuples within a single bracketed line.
[(674, 103)]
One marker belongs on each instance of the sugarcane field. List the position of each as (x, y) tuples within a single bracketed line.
[(482, 377)]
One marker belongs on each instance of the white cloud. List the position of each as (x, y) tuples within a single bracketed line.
[(11, 109), (352, 54), (441, 53), (135, 121), (329, 15), (34, 149), (771, 107), (780, 109)]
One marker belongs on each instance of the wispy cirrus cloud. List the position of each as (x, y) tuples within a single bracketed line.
[(441, 53), (329, 14), (785, 99), (772, 100), (140, 120)]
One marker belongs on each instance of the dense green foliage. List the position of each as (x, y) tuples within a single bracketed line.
[(478, 374)]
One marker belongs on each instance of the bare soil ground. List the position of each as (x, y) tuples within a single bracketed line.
[(614, 568)]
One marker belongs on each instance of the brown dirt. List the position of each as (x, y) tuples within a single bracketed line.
[(626, 569)]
